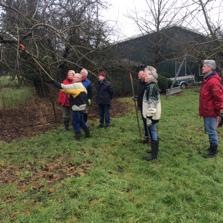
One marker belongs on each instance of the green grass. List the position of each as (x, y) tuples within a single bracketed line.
[(120, 187), (7, 81), (11, 95)]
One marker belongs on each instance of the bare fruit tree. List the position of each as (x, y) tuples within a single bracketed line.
[(57, 34), (205, 17), (201, 16), (158, 14)]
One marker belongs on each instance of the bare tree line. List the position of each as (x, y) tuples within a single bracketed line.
[(203, 16), (59, 34), (63, 34)]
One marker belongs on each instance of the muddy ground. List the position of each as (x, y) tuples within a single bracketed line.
[(43, 176), (39, 116)]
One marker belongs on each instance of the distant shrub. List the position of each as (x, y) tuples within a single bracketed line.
[(119, 76), (164, 83)]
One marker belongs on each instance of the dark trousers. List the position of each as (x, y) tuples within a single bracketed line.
[(104, 112), (85, 117), (146, 134), (78, 121)]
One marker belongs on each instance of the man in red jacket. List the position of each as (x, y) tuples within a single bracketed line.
[(64, 101), (211, 103)]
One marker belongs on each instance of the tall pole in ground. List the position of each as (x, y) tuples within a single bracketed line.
[(136, 109)]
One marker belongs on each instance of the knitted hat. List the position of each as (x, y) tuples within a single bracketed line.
[(210, 63)]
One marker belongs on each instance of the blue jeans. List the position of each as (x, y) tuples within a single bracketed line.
[(153, 132), (104, 114), (78, 121), (210, 125)]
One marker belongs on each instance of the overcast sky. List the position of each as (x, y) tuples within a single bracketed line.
[(117, 16), (118, 13)]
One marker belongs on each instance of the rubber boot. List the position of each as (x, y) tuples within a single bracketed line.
[(154, 151), (66, 124), (150, 142), (213, 151)]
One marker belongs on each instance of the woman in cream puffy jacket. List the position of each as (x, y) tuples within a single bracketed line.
[(152, 109)]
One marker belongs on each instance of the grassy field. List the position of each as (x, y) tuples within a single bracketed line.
[(53, 178), (11, 95), (6, 81)]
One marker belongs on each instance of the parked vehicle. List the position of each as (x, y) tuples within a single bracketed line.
[(183, 81)]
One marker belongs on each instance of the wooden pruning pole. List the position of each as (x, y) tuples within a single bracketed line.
[(135, 105), (38, 63), (22, 47)]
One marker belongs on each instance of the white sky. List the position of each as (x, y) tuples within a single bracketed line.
[(119, 10), (117, 16)]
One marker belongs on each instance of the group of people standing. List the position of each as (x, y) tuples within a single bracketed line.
[(210, 106), (75, 97)]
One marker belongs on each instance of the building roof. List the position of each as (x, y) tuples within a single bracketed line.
[(134, 37)]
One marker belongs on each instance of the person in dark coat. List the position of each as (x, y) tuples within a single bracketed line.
[(211, 103), (103, 99), (141, 89)]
